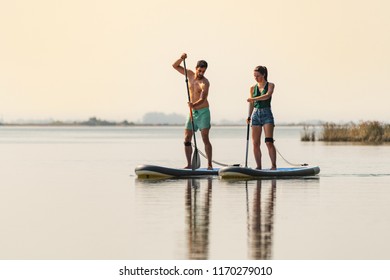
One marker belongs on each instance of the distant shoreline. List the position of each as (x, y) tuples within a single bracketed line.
[(121, 125), (95, 122), (364, 132)]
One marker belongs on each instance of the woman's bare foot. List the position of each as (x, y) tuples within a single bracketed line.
[(258, 167), (188, 167), (273, 167), (210, 167)]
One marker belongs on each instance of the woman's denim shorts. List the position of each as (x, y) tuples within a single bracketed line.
[(262, 116)]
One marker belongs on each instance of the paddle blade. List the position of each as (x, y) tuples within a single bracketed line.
[(195, 160)]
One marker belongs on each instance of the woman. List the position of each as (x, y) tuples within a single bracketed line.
[(262, 118)]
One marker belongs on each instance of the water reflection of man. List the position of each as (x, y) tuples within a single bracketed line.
[(198, 206)]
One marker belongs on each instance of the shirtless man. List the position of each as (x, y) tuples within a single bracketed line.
[(199, 90)]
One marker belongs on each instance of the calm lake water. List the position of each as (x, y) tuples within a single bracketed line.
[(71, 193)]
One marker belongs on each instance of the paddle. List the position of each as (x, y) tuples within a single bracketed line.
[(195, 159), (247, 136)]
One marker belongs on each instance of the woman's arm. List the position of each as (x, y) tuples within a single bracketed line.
[(266, 96), (250, 104)]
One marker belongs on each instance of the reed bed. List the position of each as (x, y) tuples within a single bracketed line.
[(308, 134), (366, 132)]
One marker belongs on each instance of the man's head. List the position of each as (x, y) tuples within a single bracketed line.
[(201, 67), (201, 64)]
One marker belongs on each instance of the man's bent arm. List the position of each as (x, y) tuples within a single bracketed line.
[(177, 66)]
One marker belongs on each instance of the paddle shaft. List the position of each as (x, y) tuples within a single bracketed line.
[(247, 136), (189, 100)]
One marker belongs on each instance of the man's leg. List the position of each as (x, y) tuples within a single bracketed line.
[(207, 146), (188, 146)]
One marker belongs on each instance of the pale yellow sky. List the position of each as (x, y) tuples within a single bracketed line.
[(112, 59)]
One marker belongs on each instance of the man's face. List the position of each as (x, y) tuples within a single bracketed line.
[(200, 72)]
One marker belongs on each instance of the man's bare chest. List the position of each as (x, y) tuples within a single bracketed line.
[(196, 86)]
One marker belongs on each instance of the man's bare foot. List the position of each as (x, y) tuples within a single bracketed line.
[(258, 167), (188, 167), (210, 167), (273, 168)]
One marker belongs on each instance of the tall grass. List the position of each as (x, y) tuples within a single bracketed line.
[(368, 131), (308, 134)]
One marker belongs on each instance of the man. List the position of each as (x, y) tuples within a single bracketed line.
[(199, 90)]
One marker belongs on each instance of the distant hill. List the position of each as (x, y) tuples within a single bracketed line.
[(93, 121), (162, 118)]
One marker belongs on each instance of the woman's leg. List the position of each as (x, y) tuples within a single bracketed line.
[(256, 134), (269, 141)]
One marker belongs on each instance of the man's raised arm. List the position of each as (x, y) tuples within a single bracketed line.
[(177, 63)]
